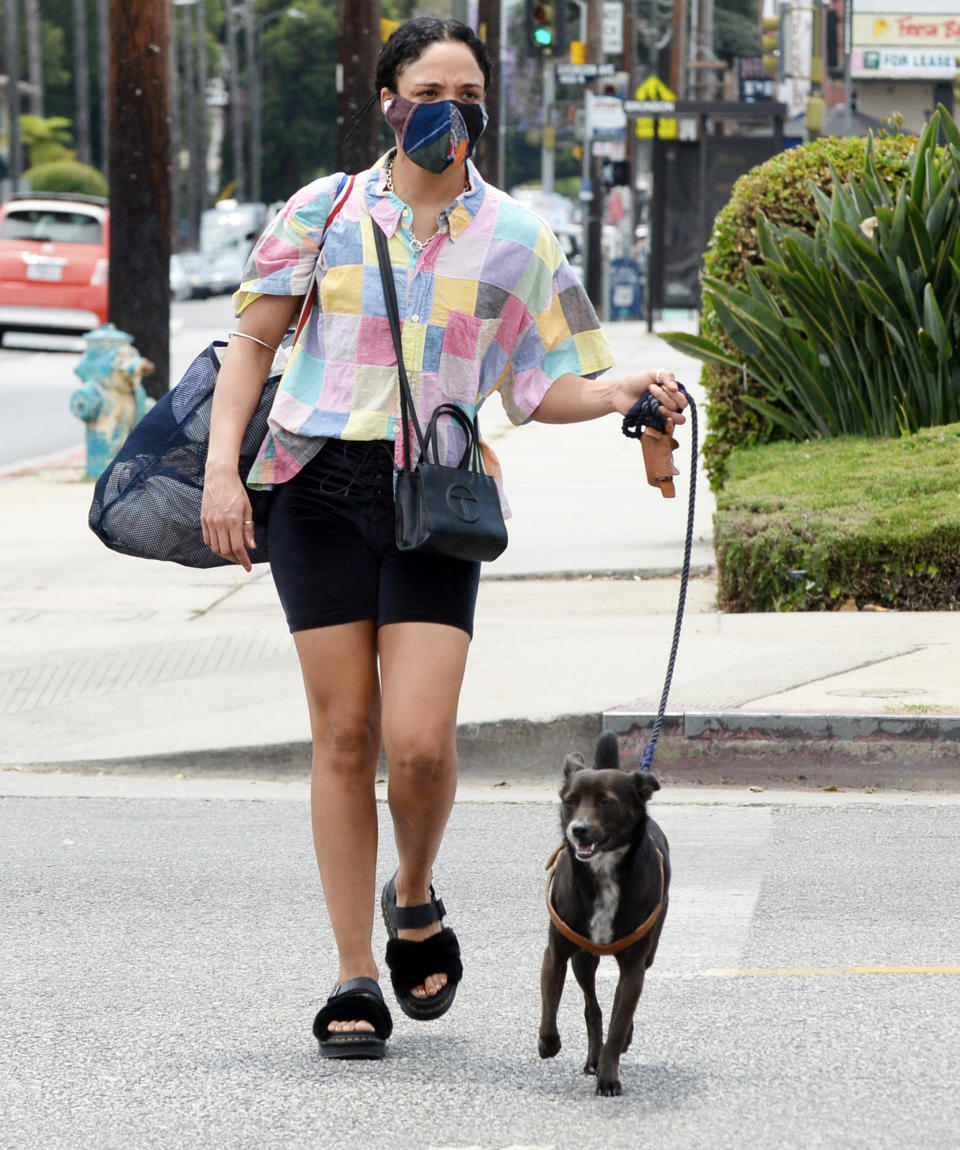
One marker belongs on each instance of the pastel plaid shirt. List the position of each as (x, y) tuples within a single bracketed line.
[(489, 304)]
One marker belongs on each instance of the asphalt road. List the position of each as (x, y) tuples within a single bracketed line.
[(164, 951), (37, 378)]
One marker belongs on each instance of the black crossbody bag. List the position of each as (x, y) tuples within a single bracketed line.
[(452, 511)]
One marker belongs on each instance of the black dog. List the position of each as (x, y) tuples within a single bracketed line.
[(607, 894)]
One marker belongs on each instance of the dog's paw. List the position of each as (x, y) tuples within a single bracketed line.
[(549, 1046), (609, 1087)]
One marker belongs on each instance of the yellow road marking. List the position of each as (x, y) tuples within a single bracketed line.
[(811, 970)]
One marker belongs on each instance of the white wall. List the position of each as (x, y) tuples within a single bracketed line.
[(879, 98)]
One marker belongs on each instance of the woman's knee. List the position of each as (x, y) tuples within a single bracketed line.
[(422, 761), (346, 745)]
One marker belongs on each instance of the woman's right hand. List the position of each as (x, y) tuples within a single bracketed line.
[(226, 518)]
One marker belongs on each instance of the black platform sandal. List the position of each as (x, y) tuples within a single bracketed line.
[(359, 1000), (411, 962)]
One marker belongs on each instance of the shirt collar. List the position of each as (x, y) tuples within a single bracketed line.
[(385, 207)]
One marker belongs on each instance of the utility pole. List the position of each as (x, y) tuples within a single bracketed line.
[(103, 70), (489, 158), (192, 213), (140, 180), (813, 119), (629, 65), (199, 171), (81, 79), (678, 50), (31, 10), (11, 44), (593, 207), (358, 46), (234, 15)]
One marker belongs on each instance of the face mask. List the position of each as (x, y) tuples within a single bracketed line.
[(436, 135)]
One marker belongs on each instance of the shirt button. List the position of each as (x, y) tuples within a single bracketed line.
[(406, 213), (415, 318)]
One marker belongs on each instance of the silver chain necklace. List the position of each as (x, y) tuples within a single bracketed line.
[(416, 245)]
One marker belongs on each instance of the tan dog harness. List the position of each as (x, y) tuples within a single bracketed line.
[(581, 940)]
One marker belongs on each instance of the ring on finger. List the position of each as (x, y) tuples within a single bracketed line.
[(659, 376)]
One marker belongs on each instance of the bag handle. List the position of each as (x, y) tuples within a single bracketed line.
[(472, 455)]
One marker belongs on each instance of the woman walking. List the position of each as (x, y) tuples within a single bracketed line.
[(487, 304)]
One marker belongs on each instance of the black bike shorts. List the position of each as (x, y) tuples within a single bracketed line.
[(333, 549)]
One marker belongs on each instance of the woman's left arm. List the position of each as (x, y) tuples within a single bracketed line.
[(574, 398)]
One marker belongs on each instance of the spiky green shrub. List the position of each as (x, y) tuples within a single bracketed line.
[(855, 329), (781, 189), (67, 176)]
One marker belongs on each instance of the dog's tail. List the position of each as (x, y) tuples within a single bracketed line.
[(607, 757)]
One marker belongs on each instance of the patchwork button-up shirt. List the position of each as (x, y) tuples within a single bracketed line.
[(488, 304)]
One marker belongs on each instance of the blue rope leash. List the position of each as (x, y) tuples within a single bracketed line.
[(647, 411)]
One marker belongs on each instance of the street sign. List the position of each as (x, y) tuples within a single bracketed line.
[(583, 73), (607, 120), (612, 28), (654, 98)]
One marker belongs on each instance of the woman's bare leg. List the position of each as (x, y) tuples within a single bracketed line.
[(421, 668), (339, 666)]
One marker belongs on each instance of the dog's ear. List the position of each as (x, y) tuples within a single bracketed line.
[(607, 754), (574, 762), (645, 784)]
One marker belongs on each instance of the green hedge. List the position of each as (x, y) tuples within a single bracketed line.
[(814, 526), (67, 176)]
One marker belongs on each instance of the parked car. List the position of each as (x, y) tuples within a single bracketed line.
[(196, 275), (227, 234), (54, 263)]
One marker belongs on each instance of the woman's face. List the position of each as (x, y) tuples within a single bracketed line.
[(446, 70)]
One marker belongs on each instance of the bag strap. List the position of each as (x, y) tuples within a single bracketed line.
[(408, 411), (340, 197)]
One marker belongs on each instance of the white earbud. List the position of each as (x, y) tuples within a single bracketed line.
[(386, 106)]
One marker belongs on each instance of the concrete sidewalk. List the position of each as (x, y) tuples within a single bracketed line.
[(108, 662)]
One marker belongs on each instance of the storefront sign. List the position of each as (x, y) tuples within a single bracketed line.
[(903, 63), (905, 31)]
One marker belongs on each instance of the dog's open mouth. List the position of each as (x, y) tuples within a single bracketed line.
[(585, 851)]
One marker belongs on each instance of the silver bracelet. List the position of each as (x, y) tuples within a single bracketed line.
[(244, 335)]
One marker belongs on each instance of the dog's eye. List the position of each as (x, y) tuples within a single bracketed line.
[(606, 801)]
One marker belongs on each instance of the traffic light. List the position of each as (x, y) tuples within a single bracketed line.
[(543, 28), (775, 42)]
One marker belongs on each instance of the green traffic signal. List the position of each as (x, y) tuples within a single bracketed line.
[(543, 25)]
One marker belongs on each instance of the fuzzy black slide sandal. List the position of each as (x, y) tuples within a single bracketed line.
[(412, 962), (358, 1000)]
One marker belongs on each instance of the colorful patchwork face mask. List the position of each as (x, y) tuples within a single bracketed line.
[(438, 134)]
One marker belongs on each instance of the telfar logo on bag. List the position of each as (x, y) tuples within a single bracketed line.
[(463, 503)]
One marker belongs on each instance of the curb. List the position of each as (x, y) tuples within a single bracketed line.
[(67, 457), (800, 751), (906, 752)]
